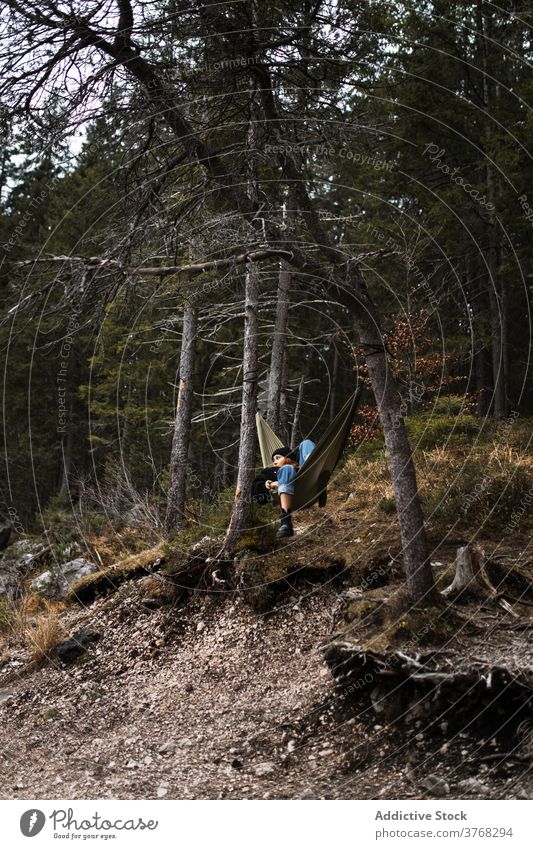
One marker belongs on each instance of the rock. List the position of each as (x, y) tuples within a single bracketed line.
[(55, 582), (436, 785), (472, 785), (23, 546), (133, 517), (520, 792), (9, 582), (266, 768), (15, 563), (200, 626), (161, 791), (308, 794), (69, 650), (167, 747)]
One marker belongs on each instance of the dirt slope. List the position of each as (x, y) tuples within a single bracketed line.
[(213, 700)]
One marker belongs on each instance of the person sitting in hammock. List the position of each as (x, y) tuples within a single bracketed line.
[(286, 463)]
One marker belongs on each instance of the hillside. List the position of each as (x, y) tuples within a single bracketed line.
[(202, 685)]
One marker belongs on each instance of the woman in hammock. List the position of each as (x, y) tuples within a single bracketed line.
[(286, 463)]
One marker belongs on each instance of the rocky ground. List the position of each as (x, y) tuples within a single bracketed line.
[(211, 700)]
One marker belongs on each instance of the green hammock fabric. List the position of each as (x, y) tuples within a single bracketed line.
[(312, 478)]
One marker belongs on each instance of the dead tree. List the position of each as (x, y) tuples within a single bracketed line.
[(279, 345), (334, 378), (248, 441), (470, 577), (250, 362), (297, 413), (182, 424)]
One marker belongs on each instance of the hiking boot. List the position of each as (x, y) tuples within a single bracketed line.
[(285, 527)]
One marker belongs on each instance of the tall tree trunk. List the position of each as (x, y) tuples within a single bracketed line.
[(182, 424), (482, 351), (498, 323), (67, 450), (279, 345), (483, 374), (497, 301), (248, 440), (250, 361), (225, 469), (297, 413), (418, 572), (284, 399), (334, 378)]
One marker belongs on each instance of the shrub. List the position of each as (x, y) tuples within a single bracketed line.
[(451, 405), (428, 430)]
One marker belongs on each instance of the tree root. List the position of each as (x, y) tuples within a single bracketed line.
[(406, 687)]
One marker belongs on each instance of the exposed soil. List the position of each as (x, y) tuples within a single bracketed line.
[(213, 700)]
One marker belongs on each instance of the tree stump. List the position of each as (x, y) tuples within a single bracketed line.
[(471, 579)]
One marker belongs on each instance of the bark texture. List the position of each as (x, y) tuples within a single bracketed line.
[(248, 441), (279, 344), (418, 572), (297, 414), (182, 424)]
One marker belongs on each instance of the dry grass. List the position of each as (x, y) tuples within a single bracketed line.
[(42, 636), (486, 483)]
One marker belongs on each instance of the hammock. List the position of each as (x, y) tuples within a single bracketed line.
[(313, 476)]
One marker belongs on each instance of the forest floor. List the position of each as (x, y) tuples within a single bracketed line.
[(212, 699)]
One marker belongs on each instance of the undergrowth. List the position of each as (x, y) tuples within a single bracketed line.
[(464, 482)]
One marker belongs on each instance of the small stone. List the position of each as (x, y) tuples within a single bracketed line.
[(520, 792), (161, 791), (266, 768), (147, 760), (291, 745), (308, 794), (436, 785), (472, 785), (167, 747), (200, 626), (131, 764)]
